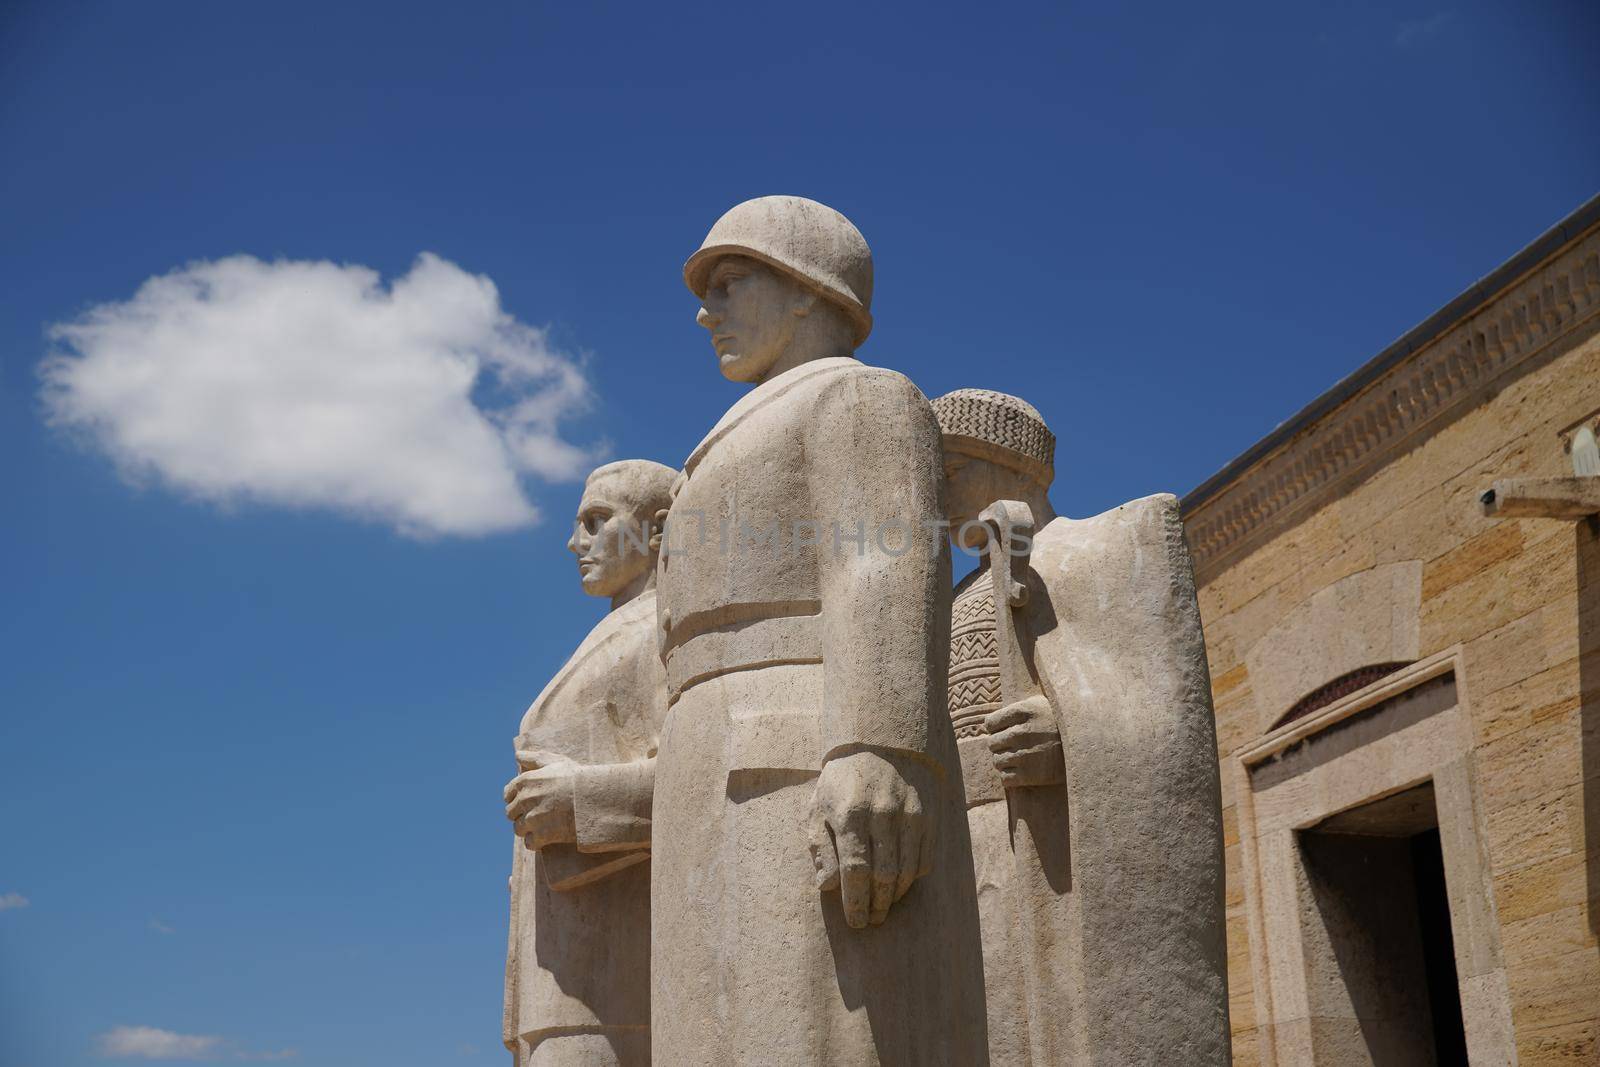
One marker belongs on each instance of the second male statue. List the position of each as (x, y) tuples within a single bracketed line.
[(578, 965), (879, 826)]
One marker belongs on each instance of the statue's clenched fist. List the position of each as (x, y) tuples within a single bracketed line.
[(871, 831), (1026, 743), (540, 802)]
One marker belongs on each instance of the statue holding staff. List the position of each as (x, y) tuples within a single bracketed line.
[(1082, 707)]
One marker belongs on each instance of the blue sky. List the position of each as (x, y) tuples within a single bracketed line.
[(258, 701)]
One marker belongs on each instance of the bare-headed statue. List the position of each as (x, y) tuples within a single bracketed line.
[(578, 966)]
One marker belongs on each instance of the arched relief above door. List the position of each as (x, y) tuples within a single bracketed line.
[(1367, 618)]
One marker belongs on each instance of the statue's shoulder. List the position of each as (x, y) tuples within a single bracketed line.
[(640, 611), (1133, 529), (616, 641), (864, 395), (853, 376), (839, 386)]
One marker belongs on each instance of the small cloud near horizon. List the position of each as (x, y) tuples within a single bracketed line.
[(153, 1043), (13, 900), (312, 385), (160, 927), (1414, 31)]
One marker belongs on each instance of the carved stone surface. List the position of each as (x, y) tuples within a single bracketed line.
[(577, 967), (1502, 612), (887, 822), (1365, 618), (808, 688), (974, 689), (1118, 642), (975, 694), (1092, 789)]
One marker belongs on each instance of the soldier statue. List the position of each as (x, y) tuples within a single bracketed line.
[(812, 898)]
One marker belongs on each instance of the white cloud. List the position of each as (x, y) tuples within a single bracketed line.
[(13, 900), (160, 927), (149, 1043), (310, 384)]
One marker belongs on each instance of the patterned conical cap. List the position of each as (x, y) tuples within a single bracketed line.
[(999, 427)]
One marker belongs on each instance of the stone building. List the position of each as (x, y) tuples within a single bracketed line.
[(1407, 688)]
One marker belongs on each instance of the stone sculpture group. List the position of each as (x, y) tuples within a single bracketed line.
[(795, 800)]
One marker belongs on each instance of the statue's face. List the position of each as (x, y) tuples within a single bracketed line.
[(972, 483), (751, 311), (611, 541)]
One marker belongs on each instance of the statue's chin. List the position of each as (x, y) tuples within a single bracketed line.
[(740, 368)]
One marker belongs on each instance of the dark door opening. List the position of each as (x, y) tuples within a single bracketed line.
[(1379, 952), (1438, 949)]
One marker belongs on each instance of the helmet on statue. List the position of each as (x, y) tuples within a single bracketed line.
[(804, 239)]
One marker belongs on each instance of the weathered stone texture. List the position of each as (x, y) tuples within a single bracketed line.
[(1519, 601)]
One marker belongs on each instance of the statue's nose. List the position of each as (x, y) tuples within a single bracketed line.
[(707, 319)]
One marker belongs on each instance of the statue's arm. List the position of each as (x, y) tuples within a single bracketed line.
[(874, 470), (611, 805), (612, 802), (874, 480)]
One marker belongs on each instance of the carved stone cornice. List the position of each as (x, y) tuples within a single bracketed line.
[(1409, 391)]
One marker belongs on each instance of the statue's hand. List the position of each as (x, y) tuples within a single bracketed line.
[(540, 802), (1026, 743), (871, 831)]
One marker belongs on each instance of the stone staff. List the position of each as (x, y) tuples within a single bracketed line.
[(1040, 834)]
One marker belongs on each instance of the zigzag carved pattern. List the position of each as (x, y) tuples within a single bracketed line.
[(973, 606), (971, 647), (974, 658)]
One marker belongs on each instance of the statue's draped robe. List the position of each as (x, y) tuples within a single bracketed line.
[(1126, 939), (781, 654), (577, 969)]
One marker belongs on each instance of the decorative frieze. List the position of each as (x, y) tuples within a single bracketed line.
[(1416, 388)]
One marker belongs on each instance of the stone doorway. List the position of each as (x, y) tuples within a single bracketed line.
[(1379, 919), (1372, 930)]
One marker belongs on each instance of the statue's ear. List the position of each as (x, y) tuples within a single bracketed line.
[(803, 301), (656, 527)]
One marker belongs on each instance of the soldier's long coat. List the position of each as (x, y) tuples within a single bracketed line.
[(780, 655)]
